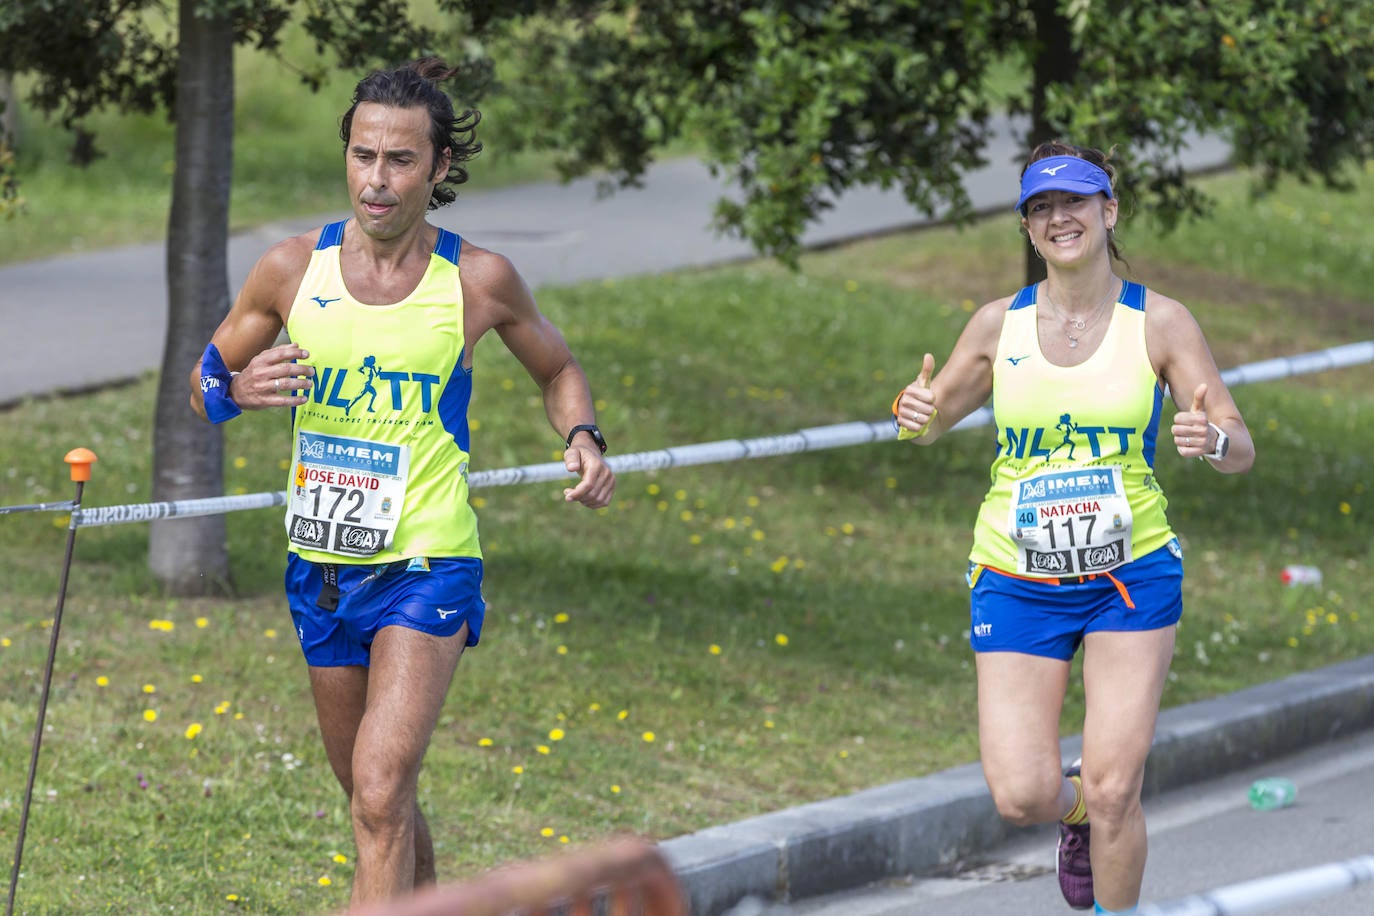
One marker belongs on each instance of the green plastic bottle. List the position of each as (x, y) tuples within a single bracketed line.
[(1272, 794)]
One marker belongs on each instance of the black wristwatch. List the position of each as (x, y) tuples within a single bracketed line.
[(599, 439)]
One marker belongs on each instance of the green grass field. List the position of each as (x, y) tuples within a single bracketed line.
[(724, 640)]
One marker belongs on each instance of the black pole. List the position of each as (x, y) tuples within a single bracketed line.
[(47, 682)]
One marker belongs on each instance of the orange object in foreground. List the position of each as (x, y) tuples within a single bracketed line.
[(80, 460), (627, 876)]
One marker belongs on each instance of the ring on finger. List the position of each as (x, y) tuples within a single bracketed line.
[(1188, 441), (276, 384)]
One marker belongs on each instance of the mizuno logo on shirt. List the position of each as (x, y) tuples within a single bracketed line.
[(445, 615), (322, 302), (1017, 360)]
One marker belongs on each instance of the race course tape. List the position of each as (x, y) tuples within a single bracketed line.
[(806, 440)]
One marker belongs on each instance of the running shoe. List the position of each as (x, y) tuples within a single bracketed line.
[(1072, 865)]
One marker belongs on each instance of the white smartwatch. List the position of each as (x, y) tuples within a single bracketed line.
[(1218, 451)]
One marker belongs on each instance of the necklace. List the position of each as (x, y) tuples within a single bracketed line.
[(1078, 324)]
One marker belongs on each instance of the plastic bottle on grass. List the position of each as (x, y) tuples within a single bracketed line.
[(1272, 794), (1301, 575)]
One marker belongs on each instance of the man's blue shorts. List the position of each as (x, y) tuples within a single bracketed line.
[(1049, 617), (435, 596)]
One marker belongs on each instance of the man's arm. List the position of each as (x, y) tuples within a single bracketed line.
[(264, 375), (500, 299)]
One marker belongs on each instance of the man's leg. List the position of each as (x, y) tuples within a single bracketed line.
[(1123, 679), (376, 725), (1020, 698)]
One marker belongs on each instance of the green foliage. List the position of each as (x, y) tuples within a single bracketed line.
[(797, 102), (854, 555)]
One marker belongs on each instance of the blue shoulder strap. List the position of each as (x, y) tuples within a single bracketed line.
[(331, 235), (448, 246), (1133, 295), (1024, 297)]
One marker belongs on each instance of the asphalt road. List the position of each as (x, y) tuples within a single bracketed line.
[(1201, 838)]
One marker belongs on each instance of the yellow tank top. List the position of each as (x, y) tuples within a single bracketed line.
[(379, 468), (1073, 486)]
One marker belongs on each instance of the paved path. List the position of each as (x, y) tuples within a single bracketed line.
[(85, 320), (1201, 838)]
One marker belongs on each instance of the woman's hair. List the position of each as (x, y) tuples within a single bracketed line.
[(416, 85), (1096, 156)]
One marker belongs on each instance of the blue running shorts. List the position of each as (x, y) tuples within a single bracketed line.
[(1049, 617), (435, 596)]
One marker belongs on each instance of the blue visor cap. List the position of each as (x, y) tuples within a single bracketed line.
[(1062, 173)]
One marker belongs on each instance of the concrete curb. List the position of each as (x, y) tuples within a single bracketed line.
[(918, 826)]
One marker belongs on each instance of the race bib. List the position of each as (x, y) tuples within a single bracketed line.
[(347, 495), (1071, 523)]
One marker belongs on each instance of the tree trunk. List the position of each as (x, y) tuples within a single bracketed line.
[(189, 556), (1053, 62), (9, 113)]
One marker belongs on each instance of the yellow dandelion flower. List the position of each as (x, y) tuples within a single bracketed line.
[(479, 502), (546, 832), (694, 540), (844, 755), (238, 716), (757, 535), (149, 688), (767, 723), (484, 742), (149, 715), (232, 898), (1292, 642), (779, 564), (562, 650), (517, 769), (628, 381), (753, 502), (474, 424), (890, 483), (324, 881), (192, 730), (101, 681), (781, 639), (594, 707), (202, 623), (679, 495), (270, 633), (729, 524), (1333, 618), (847, 528), (196, 679), (340, 858), (556, 734), (560, 617), (5, 642), (543, 749), (283, 464), (849, 287), (1345, 508), (661, 505), (715, 649), (623, 715), (653, 489), (648, 737), (563, 839), (1228, 41), (240, 462), (615, 790), (799, 563)]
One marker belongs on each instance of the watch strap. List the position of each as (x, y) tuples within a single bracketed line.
[(591, 428)]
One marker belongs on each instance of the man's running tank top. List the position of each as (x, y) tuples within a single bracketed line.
[(379, 468), (1073, 486)]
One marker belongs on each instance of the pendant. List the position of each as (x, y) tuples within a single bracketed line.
[(1073, 341), (1079, 324)]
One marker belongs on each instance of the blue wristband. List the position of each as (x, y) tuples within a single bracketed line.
[(214, 386)]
